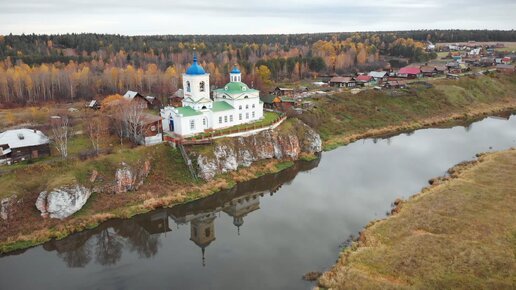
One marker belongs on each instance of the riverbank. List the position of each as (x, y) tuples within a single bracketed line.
[(344, 117), (169, 184), (459, 233)]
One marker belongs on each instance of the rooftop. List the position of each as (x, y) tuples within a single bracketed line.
[(409, 70), (188, 111), (235, 70), (23, 138), (341, 79), (221, 106), (235, 88), (195, 68)]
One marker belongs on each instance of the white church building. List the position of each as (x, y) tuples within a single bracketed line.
[(234, 104)]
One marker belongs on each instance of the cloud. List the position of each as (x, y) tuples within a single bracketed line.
[(267, 16)]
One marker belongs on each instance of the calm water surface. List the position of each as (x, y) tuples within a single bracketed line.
[(261, 234)]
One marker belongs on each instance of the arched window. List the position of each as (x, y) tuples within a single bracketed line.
[(253, 106), (188, 88), (201, 86), (240, 107), (204, 108), (246, 97), (247, 106)]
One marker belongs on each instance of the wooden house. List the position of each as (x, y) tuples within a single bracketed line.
[(395, 84), (146, 102), (283, 92), (409, 72), (429, 71), (23, 144), (343, 82), (152, 129), (365, 80), (379, 76), (277, 102)]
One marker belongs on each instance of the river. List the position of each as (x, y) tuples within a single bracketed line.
[(265, 233)]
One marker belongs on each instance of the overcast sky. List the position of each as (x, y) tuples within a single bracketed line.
[(137, 17)]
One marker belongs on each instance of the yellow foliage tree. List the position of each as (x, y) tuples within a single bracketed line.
[(110, 100)]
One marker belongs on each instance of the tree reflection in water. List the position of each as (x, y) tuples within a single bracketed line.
[(141, 234)]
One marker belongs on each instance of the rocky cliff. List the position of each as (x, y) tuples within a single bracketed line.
[(62, 202), (288, 142)]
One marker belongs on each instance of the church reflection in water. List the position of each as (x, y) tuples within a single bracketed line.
[(143, 234)]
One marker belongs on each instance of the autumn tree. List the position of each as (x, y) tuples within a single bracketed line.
[(96, 129), (60, 134)]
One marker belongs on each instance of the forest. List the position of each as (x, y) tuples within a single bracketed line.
[(42, 68)]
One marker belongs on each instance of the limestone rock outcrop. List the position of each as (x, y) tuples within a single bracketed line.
[(287, 142), (62, 202)]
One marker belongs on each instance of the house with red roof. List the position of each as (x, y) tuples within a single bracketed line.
[(409, 72), (365, 80)]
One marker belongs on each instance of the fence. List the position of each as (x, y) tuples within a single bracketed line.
[(207, 138)]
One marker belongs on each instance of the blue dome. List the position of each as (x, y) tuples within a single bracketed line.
[(235, 70), (195, 68)]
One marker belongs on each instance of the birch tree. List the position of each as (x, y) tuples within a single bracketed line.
[(61, 133)]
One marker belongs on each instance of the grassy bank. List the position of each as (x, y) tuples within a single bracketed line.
[(343, 117), (168, 184), (459, 233)]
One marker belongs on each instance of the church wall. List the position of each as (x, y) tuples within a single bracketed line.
[(182, 125), (224, 119), (195, 80)]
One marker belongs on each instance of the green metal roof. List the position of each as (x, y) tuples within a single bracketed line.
[(235, 88), (287, 100), (268, 99), (221, 106), (188, 111)]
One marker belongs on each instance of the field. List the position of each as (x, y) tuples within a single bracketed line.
[(460, 233)]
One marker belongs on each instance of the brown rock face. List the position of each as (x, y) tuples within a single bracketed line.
[(129, 178), (7, 207)]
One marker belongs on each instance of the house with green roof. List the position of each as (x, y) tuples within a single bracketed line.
[(232, 105)]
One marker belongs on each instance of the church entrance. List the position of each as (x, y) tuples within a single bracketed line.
[(171, 125)]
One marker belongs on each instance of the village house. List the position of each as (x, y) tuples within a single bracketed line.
[(23, 144), (277, 102), (148, 102), (232, 105), (283, 92), (151, 131), (342, 82), (429, 71), (457, 68), (365, 80), (176, 100), (379, 76), (395, 84), (409, 73)]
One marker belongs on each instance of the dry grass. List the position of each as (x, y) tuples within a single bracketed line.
[(459, 233)]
